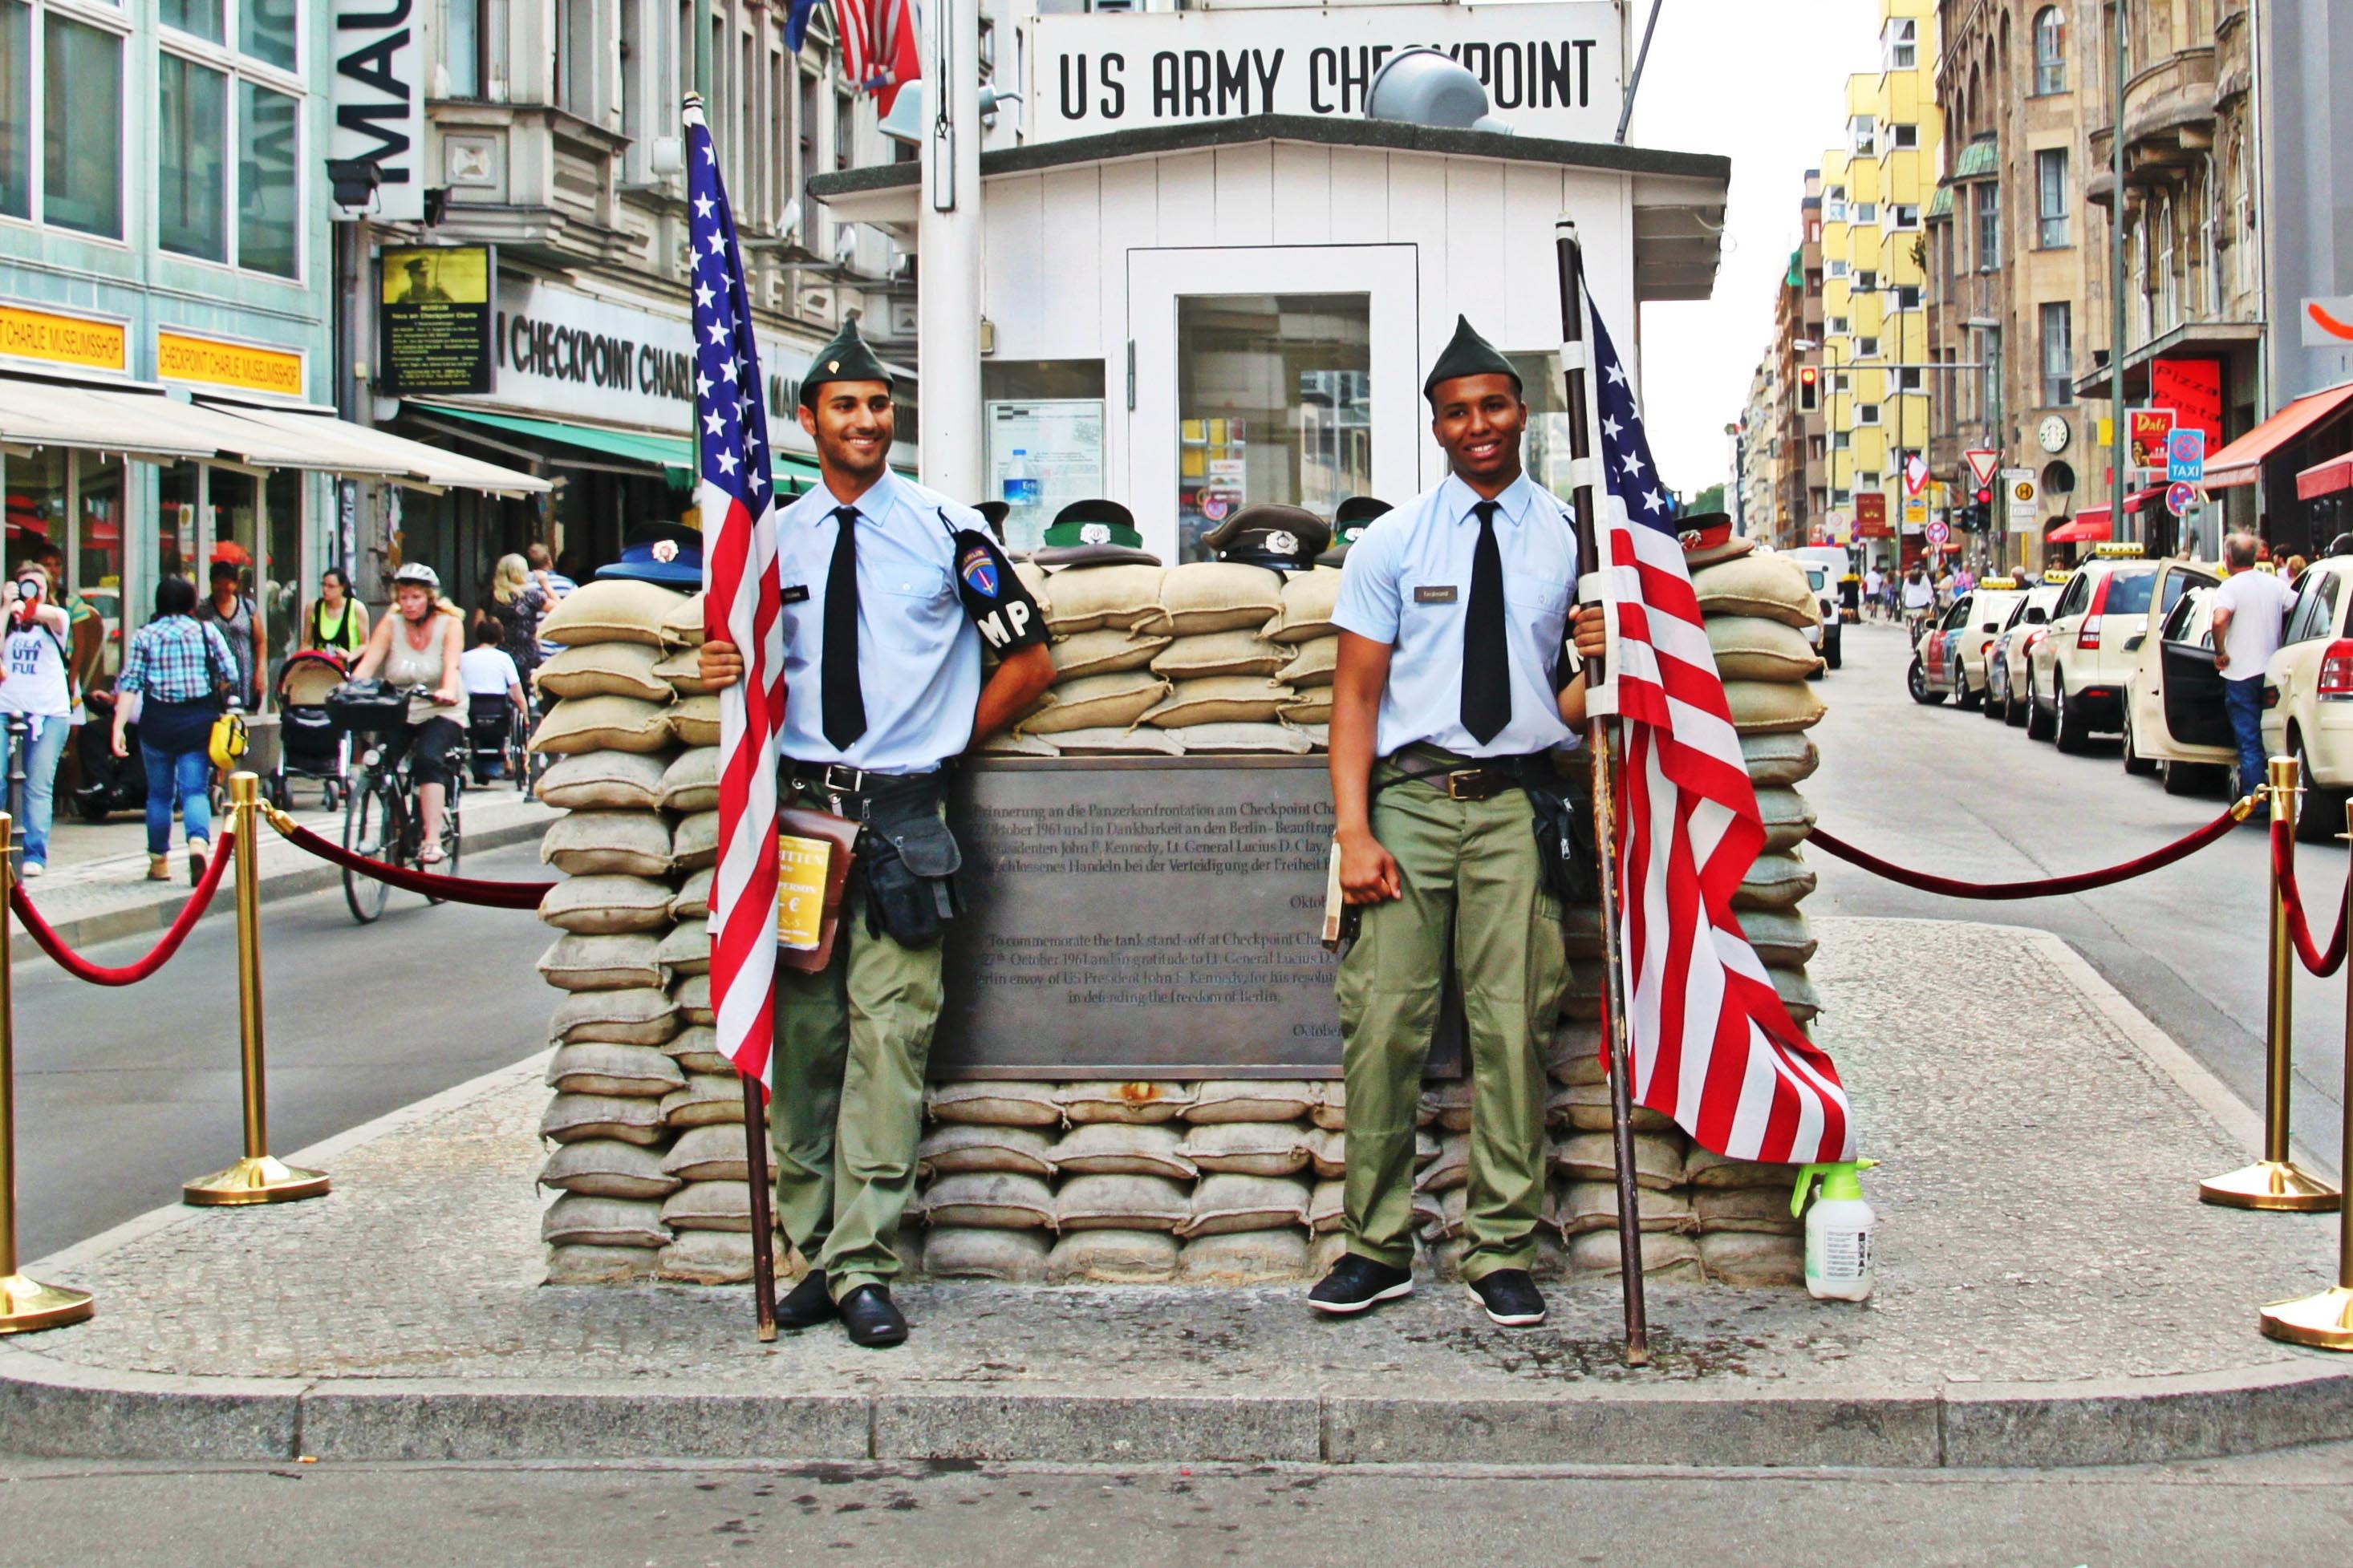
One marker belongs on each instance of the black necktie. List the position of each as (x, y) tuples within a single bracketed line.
[(1486, 667), (845, 706)]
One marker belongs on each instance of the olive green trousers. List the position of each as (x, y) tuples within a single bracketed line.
[(848, 1110), (1470, 871)]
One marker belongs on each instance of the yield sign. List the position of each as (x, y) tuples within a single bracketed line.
[(1982, 464), (1915, 473)]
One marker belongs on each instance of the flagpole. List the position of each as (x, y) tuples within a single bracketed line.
[(1600, 745), (755, 1120)]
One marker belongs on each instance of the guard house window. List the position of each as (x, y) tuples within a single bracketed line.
[(1988, 227), (2058, 354), (82, 129), (1903, 45), (1274, 403), (2051, 197), (191, 173), (2049, 50)]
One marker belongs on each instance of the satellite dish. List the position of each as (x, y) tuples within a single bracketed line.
[(1423, 86)]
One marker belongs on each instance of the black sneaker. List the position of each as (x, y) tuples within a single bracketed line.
[(1357, 1283), (1509, 1298), (806, 1304)]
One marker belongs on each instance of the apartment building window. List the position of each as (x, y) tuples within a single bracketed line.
[(2169, 285), (1903, 41), (461, 47), (1868, 480), (1841, 498), (1988, 227), (2049, 50), (1866, 140), (1834, 203), (1814, 448), (1906, 216), (228, 165), (1837, 267), (1840, 440), (1866, 281), (1866, 348), (82, 150), (844, 123), (1908, 378), (1902, 136), (2058, 354), (805, 140), (1866, 212), (1867, 413), (2051, 197), (1837, 325), (1839, 384), (1908, 296), (575, 57)]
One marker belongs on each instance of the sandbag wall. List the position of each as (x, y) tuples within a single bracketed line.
[(1208, 659)]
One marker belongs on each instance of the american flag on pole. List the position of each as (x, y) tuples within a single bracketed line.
[(1710, 1042), (740, 606), (881, 45)]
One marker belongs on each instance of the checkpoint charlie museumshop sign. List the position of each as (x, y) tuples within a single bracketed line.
[(1550, 70)]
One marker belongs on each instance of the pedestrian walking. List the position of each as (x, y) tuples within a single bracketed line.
[(1872, 583), (884, 688), (230, 611), (517, 603), (39, 695), (556, 583), (183, 674), (1444, 714), (493, 695), (338, 623), (2249, 610)]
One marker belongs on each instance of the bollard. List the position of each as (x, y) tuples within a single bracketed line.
[(24, 1304), (2325, 1320), (259, 1178), (2274, 1181)]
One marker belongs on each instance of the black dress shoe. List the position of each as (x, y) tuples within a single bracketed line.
[(1357, 1283), (1509, 1298), (872, 1318), (807, 1304)]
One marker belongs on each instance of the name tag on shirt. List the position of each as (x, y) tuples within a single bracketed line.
[(795, 593), (1441, 594)]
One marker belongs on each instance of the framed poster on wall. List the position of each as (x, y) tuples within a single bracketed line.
[(1043, 454)]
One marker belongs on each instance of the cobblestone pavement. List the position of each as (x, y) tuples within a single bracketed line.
[(2038, 1195)]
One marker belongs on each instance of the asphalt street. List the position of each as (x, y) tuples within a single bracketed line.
[(124, 1093), (1956, 794), (2225, 1513)]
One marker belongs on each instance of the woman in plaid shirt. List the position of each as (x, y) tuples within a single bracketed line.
[(181, 667)]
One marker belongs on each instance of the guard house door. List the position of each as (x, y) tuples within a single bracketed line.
[(1269, 373)]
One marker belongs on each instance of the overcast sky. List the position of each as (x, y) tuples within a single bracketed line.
[(1763, 82)]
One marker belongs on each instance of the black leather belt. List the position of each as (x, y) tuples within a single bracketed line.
[(838, 782), (1461, 778)]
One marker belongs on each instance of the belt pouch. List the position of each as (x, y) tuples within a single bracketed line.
[(911, 859)]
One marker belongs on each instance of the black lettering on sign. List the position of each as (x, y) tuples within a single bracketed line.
[(1196, 82), (1552, 91), (1510, 84), (1355, 71), (1233, 83), (1114, 99), (1323, 68), (1584, 72), (1267, 70), (1473, 59), (1167, 86), (1075, 95)]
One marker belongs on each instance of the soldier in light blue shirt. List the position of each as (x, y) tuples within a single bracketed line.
[(1450, 695), (888, 590)]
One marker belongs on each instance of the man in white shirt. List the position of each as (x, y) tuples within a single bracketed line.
[(488, 673), (1872, 584), (2250, 608)]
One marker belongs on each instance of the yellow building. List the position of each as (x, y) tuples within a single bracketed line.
[(1875, 340)]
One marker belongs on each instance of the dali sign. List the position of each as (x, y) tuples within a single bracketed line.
[(1554, 71)]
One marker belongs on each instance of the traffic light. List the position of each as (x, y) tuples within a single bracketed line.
[(1981, 509)]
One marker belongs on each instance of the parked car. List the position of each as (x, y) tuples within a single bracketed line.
[(1954, 662), (2075, 674), (2308, 698), (2175, 726), (2006, 662)]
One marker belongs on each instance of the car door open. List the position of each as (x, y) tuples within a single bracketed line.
[(2194, 714)]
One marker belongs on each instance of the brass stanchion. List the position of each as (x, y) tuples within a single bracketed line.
[(24, 1304), (2325, 1320), (2274, 1181), (259, 1178)]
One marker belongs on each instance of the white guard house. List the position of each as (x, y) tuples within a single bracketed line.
[(1190, 311)]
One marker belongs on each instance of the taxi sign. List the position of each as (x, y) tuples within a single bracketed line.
[(2057, 575), (1999, 584), (2122, 551)]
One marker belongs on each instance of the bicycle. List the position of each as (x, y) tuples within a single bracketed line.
[(383, 820)]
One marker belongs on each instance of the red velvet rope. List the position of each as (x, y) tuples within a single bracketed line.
[(457, 889), (2283, 868), (81, 968), (2045, 887)]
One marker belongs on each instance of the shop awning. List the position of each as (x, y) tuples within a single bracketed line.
[(2094, 522), (2325, 479), (670, 452), (136, 423), (2240, 462), (338, 445)]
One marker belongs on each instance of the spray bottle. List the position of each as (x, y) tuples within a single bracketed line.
[(1838, 1231)]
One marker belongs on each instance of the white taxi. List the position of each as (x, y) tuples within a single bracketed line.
[(2005, 693), (2075, 674), (2308, 696), (2175, 725)]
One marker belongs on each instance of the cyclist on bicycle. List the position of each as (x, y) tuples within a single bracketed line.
[(493, 697), (420, 644)]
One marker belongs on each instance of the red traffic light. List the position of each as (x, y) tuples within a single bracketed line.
[(1808, 376), (1985, 496)]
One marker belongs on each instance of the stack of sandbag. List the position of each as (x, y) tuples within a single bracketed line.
[(1304, 630), (1177, 661), (649, 1163)]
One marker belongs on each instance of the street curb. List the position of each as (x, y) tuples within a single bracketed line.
[(52, 1408), (136, 919)]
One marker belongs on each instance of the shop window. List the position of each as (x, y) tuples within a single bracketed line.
[(16, 110), (1274, 403), (192, 144), (266, 31), (96, 556), (197, 18), (268, 218), (176, 495), (36, 503), (81, 164), (1044, 425)]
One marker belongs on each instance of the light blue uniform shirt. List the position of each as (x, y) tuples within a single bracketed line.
[(918, 655), (1407, 582)]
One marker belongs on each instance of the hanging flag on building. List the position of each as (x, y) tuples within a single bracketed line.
[(881, 47), (740, 606), (1710, 1042)]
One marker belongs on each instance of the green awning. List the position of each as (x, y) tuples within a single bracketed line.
[(1977, 160), (1942, 205), (671, 452)]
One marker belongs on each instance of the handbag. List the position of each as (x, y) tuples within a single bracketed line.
[(226, 744), (805, 945)]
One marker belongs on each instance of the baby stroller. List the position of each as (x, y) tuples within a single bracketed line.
[(311, 744)]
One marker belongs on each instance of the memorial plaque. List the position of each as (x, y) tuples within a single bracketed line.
[(1149, 917)]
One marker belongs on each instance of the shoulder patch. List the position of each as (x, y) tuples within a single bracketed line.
[(978, 569)]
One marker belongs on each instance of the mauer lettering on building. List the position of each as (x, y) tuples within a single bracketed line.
[(379, 103)]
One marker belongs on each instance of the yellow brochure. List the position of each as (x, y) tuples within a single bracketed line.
[(800, 890)]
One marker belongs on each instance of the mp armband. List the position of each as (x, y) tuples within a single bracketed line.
[(994, 599)]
